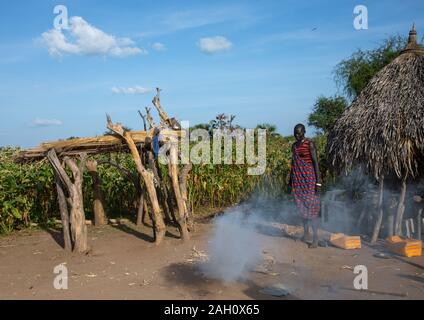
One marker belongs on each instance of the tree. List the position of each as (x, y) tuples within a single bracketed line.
[(271, 129), (204, 126), (230, 121), (220, 121), (223, 122), (354, 73), (326, 111)]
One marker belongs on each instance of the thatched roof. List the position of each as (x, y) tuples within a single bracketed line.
[(383, 129)]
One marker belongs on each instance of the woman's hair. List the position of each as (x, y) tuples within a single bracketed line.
[(301, 126)]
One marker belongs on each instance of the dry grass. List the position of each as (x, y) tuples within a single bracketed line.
[(383, 129)]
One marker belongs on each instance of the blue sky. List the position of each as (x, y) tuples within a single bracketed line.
[(262, 61)]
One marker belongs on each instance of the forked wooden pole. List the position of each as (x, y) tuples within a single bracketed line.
[(74, 197), (64, 214), (400, 209), (173, 172), (98, 207), (159, 225), (379, 219)]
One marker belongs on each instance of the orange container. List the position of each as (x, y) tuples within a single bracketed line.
[(405, 247), (343, 241)]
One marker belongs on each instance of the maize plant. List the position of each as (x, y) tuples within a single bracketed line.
[(28, 192)]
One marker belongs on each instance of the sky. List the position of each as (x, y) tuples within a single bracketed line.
[(262, 61)]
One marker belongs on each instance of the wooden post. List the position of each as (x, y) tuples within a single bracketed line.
[(183, 188), (167, 199), (159, 225), (149, 118), (64, 214), (407, 229), (77, 216), (173, 172), (162, 114), (419, 223), (165, 120), (391, 205), (74, 197), (400, 209), (161, 188), (140, 208), (145, 212), (98, 208), (143, 117), (361, 217), (377, 225)]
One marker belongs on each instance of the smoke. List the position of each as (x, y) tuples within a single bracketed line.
[(234, 246), (345, 201), (237, 241), (349, 206)]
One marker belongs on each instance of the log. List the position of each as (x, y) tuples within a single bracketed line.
[(77, 216), (96, 145), (400, 209), (168, 200), (74, 197), (419, 224), (143, 117), (184, 194), (160, 188), (64, 214), (173, 172), (149, 118), (159, 225), (98, 207), (379, 219), (162, 114), (140, 209), (166, 121), (146, 213), (65, 181)]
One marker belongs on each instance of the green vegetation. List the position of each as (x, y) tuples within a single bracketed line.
[(326, 111), (28, 191), (352, 76), (354, 73)]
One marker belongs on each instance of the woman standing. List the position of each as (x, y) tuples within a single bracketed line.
[(305, 182)]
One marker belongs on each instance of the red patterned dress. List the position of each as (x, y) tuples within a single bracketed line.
[(304, 181)]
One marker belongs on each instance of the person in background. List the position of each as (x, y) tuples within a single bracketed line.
[(156, 142), (305, 183)]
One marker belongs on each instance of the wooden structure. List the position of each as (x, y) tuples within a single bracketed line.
[(383, 131), (149, 184), (91, 146)]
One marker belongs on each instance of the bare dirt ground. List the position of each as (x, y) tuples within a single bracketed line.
[(125, 264)]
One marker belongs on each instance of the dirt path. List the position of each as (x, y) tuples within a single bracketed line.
[(124, 264)]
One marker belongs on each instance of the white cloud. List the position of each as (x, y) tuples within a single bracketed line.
[(159, 46), (84, 39), (214, 44), (46, 122), (131, 90)]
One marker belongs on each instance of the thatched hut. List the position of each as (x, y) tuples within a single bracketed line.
[(383, 129)]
